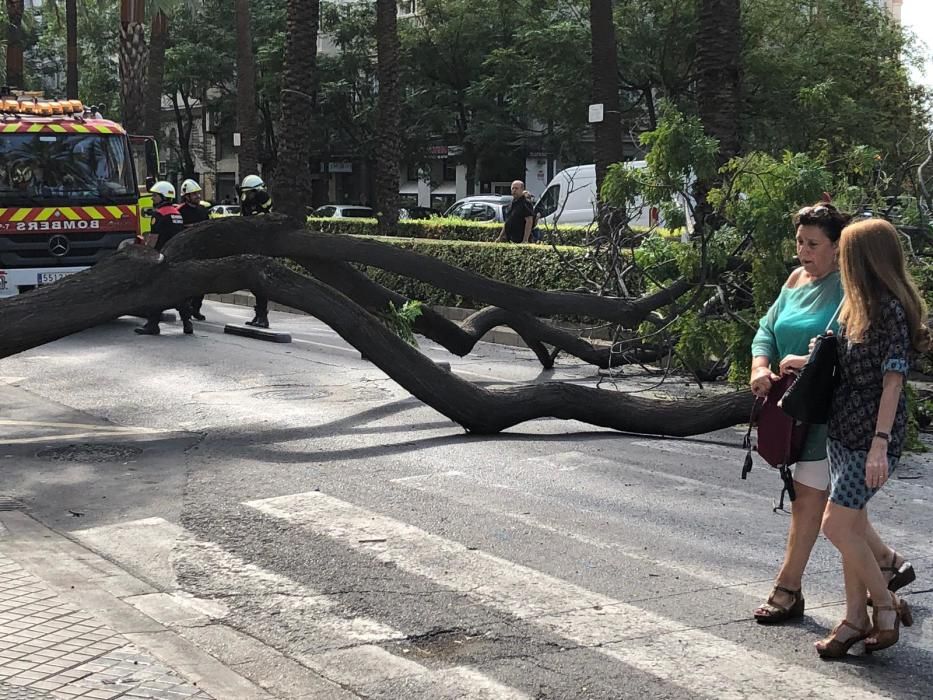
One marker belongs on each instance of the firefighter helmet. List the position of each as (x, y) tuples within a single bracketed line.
[(189, 186), (166, 189), (252, 182)]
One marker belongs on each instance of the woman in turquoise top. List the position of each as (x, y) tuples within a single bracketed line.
[(802, 311)]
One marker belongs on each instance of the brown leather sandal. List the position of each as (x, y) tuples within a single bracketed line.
[(904, 575), (889, 637), (775, 614), (833, 648)]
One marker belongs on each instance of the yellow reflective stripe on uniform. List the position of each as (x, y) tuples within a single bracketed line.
[(93, 212), (115, 212), (20, 214)]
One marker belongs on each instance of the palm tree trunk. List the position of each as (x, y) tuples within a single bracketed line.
[(14, 38), (71, 41), (292, 187), (158, 42), (719, 51), (134, 56), (608, 148), (247, 153), (388, 142)]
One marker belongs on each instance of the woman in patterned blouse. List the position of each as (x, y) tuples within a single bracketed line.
[(882, 325)]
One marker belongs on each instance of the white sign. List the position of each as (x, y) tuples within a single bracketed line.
[(596, 113), (337, 166), (236, 139)]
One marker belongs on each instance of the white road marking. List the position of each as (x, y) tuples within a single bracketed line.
[(418, 477), (340, 648), (703, 664)]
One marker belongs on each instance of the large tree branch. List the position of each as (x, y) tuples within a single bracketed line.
[(138, 277)]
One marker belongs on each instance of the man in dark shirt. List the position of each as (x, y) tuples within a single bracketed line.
[(192, 212), (521, 217), (166, 224)]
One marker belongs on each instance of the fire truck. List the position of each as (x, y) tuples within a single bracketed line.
[(69, 191)]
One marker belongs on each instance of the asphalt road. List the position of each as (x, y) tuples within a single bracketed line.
[(370, 543)]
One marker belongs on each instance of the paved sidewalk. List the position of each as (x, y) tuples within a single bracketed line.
[(72, 626), (49, 648)]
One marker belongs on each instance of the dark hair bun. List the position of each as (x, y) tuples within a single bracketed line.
[(824, 215)]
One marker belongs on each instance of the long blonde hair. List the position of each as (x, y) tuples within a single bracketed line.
[(872, 262)]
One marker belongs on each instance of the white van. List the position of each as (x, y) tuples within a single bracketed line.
[(570, 198)]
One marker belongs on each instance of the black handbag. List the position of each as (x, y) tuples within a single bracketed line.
[(810, 398)]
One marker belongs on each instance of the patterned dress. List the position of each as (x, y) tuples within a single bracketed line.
[(885, 348)]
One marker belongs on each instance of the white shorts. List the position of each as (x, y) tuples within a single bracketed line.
[(813, 474)]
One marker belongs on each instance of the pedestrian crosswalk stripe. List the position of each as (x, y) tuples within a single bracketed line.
[(704, 664), (342, 649)]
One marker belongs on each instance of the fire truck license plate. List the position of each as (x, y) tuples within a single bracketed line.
[(49, 277)]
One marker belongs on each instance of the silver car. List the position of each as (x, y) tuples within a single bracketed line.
[(344, 211), (483, 207)]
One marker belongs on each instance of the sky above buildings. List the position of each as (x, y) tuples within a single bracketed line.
[(917, 15)]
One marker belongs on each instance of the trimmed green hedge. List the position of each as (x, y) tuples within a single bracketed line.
[(440, 229), (534, 266)]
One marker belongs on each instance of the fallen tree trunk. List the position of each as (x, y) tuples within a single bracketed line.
[(139, 277)]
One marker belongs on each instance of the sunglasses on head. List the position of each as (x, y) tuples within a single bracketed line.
[(817, 210)]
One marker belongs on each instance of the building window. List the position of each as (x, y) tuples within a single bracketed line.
[(450, 170), (411, 172)]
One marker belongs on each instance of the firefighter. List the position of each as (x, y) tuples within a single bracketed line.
[(254, 199), (193, 212), (166, 224)]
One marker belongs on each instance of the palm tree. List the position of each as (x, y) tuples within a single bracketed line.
[(388, 140), (71, 49), (158, 42), (292, 188), (607, 148), (719, 51), (14, 37), (134, 57), (247, 154)]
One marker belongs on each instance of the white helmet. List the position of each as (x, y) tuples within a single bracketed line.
[(166, 189), (252, 182), (189, 186)]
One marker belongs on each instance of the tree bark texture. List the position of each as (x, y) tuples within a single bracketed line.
[(134, 57), (247, 153), (71, 50), (158, 43), (719, 52), (14, 43), (292, 188), (388, 119), (138, 277), (608, 147)]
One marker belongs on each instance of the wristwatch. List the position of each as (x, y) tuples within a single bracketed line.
[(883, 436)]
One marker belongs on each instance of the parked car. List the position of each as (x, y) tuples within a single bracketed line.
[(417, 213), (344, 211), (483, 207), (220, 211)]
